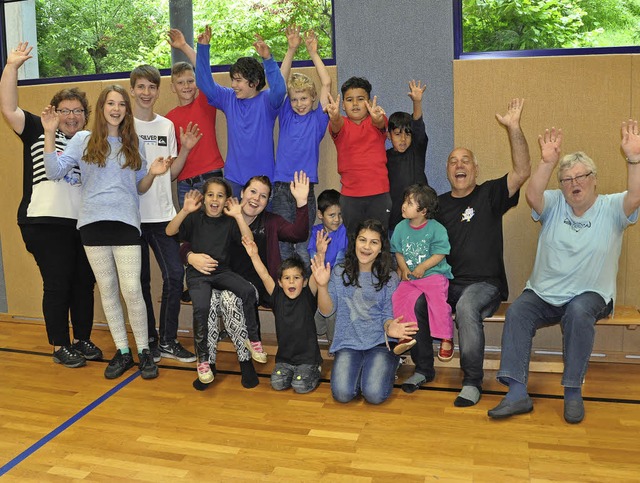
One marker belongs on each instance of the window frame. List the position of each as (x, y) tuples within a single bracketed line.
[(460, 54)]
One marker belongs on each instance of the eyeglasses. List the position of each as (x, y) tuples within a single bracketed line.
[(66, 112), (581, 178)]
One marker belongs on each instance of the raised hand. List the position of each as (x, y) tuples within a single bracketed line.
[(190, 137), (321, 271), (630, 143), (205, 37), (511, 119), (192, 201), (261, 47), (49, 119), (19, 55), (416, 89), (550, 145), (333, 107), (293, 36), (233, 207), (250, 246), (375, 111), (322, 242), (300, 188), (176, 39), (311, 41), (160, 165)]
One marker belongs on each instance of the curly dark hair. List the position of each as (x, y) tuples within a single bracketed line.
[(250, 69), (217, 180), (381, 268), (73, 94), (425, 197)]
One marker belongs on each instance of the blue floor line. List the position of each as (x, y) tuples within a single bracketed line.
[(45, 439)]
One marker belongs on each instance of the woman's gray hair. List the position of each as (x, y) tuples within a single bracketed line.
[(570, 160)]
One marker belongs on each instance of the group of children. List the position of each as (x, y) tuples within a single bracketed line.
[(123, 201)]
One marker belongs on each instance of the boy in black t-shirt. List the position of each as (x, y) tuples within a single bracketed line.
[(298, 360)]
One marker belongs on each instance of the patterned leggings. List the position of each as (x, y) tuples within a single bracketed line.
[(113, 265), (226, 305)]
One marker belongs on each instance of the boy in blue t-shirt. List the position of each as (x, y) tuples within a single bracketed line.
[(329, 237), (301, 130), (251, 112)]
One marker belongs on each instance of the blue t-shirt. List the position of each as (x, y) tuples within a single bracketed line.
[(360, 311), (418, 244), (336, 248), (299, 142), (578, 254), (249, 121)]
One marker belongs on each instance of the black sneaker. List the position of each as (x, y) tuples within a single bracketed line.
[(173, 350), (88, 349), (68, 357), (148, 368), (118, 365), (155, 350), (185, 298)]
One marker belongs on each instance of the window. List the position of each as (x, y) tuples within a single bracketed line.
[(102, 37), (545, 27)]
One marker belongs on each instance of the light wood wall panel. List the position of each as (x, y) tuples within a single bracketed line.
[(23, 282)]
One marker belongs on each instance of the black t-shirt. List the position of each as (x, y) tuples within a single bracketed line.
[(295, 327), (209, 235), (241, 262), (474, 224)]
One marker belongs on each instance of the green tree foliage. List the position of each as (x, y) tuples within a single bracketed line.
[(494, 25), (79, 37)]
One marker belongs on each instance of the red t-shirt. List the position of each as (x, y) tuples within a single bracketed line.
[(362, 158), (205, 156)]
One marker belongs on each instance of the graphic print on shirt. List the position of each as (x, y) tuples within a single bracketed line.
[(576, 225), (154, 140), (468, 214)]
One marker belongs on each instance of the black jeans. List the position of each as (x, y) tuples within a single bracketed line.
[(422, 352), (67, 280)]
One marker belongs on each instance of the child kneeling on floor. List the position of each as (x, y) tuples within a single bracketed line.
[(298, 361)]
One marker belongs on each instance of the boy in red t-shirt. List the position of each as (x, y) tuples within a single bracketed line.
[(362, 161), (204, 161)]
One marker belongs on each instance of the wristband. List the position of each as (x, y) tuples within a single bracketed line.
[(633, 162)]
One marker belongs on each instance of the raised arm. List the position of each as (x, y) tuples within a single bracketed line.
[(192, 202), (55, 165), (277, 87), (204, 79), (293, 40), (177, 41), (261, 269), (188, 139), (311, 42), (9, 86), (416, 90), (234, 209), (631, 146), (550, 145), (322, 273), (520, 157), (159, 166), (336, 121)]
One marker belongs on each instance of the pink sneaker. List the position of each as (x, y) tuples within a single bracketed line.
[(205, 374), (257, 352)]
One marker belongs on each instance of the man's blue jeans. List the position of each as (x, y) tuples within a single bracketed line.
[(528, 313), (166, 250), (195, 183), (471, 304), (370, 372)]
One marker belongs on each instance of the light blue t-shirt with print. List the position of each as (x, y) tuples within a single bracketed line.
[(578, 254)]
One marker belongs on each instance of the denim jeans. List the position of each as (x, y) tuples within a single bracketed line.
[(284, 204), (303, 378), (185, 186), (166, 250), (471, 304), (528, 313), (236, 188), (370, 372)]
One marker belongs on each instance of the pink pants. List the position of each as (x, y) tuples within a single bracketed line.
[(435, 288)]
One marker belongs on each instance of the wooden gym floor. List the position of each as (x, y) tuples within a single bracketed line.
[(59, 424)]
